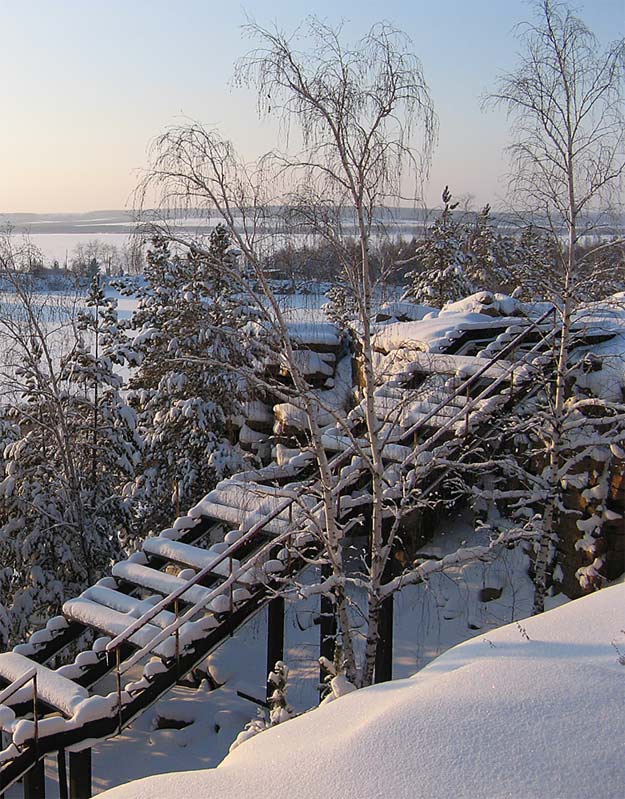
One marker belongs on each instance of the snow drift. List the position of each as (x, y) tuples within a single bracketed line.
[(533, 709)]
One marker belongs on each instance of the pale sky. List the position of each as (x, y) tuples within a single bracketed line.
[(87, 85)]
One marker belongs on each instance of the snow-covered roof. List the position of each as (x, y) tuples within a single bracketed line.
[(533, 709)]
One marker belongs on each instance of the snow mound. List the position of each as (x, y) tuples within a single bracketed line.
[(533, 709)]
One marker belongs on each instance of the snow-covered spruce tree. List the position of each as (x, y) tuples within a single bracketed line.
[(491, 256), (188, 320), (566, 102), (108, 436), (67, 450), (535, 267), (441, 261)]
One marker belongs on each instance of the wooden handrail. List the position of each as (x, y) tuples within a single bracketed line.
[(20, 682), (8, 692)]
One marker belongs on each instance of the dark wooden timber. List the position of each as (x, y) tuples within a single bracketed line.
[(35, 781), (275, 636), (62, 772), (80, 774)]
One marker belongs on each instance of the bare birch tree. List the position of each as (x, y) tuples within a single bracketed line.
[(357, 114), (565, 102)]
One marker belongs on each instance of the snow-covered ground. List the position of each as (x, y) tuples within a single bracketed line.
[(429, 619), (533, 709)]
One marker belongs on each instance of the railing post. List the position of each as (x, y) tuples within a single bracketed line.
[(35, 777), (177, 636), (118, 679), (177, 496), (35, 710), (231, 587), (80, 774)]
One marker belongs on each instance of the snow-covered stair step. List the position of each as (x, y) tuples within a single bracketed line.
[(391, 432), (127, 604), (436, 421), (275, 471), (113, 623), (236, 494), (429, 402), (194, 557), (160, 582), (392, 392), (259, 492), (461, 366), (411, 413), (52, 688), (395, 452), (245, 494), (257, 411), (335, 442), (219, 512), (239, 517)]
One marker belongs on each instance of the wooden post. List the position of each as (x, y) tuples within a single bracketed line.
[(327, 636), (80, 774), (177, 635), (327, 628), (35, 781), (384, 653), (62, 772), (275, 635), (177, 496)]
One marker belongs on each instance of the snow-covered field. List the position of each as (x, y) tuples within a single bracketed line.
[(533, 709)]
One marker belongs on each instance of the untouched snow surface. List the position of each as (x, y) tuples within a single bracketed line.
[(534, 709)]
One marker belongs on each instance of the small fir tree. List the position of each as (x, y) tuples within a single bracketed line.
[(189, 323), (441, 260)]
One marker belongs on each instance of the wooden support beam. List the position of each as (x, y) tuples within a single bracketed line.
[(327, 630), (384, 653), (62, 772), (35, 781), (80, 774), (275, 635)]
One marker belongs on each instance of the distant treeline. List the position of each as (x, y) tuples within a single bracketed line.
[(86, 260)]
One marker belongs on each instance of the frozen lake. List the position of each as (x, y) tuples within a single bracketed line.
[(60, 246)]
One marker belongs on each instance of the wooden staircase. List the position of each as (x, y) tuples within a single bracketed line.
[(169, 605)]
